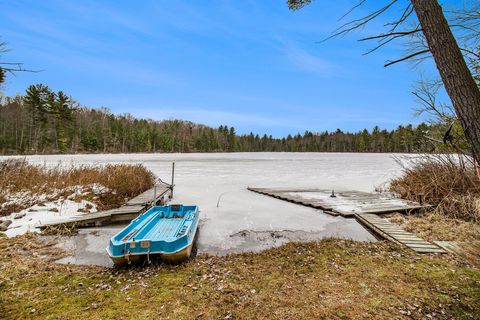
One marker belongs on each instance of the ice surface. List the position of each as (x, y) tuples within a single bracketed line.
[(208, 179)]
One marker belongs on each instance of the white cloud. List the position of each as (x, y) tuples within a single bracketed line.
[(214, 117), (304, 61)]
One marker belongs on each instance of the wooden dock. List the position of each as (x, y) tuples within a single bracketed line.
[(345, 203), (130, 210), (395, 233), (363, 206)]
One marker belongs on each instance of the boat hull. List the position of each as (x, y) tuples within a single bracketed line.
[(175, 257)]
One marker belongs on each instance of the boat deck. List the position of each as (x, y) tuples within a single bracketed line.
[(168, 228)]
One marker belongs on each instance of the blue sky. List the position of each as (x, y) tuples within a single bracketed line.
[(253, 65)]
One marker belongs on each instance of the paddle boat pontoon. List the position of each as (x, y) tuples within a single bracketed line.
[(168, 231)]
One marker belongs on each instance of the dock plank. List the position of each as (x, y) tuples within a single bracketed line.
[(451, 246), (345, 203), (396, 234), (127, 212)]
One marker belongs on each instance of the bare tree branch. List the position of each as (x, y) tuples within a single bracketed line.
[(384, 35), (359, 4), (406, 58), (406, 13), (385, 39), (11, 67), (471, 52), (467, 19), (358, 23), (426, 92)]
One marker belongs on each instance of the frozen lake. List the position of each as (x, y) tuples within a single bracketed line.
[(245, 220)]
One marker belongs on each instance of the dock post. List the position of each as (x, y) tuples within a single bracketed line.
[(154, 194), (173, 180), (420, 198)]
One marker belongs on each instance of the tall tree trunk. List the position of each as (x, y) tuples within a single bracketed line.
[(456, 76), (16, 134), (21, 141)]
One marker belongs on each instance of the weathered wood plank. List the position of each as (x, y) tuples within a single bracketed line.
[(421, 245), (127, 212), (394, 233), (345, 203), (399, 234), (405, 237), (332, 213), (451, 246), (412, 243), (147, 196), (429, 250)]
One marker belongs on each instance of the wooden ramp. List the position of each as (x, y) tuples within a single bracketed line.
[(451, 246), (395, 233), (345, 203), (127, 212)]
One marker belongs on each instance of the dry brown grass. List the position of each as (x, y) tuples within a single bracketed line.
[(123, 180), (453, 189), (330, 279), (432, 227)]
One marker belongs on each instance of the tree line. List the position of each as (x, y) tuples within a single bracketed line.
[(43, 121)]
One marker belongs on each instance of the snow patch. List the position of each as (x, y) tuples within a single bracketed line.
[(58, 205), (52, 211)]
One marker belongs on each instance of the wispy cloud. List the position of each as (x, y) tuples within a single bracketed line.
[(214, 117), (304, 61)]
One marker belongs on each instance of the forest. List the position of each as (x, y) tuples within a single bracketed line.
[(43, 121)]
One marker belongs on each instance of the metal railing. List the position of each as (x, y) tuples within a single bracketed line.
[(158, 181)]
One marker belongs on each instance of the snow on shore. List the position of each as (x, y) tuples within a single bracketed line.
[(57, 205), (37, 215)]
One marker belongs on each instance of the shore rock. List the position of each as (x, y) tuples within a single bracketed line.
[(4, 225), (19, 215)]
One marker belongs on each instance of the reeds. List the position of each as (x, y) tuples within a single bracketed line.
[(446, 182), (122, 181)]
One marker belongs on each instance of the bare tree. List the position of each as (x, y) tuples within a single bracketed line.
[(426, 92), (9, 67), (440, 43), (445, 131)]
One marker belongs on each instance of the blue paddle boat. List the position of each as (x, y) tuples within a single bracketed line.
[(168, 231)]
